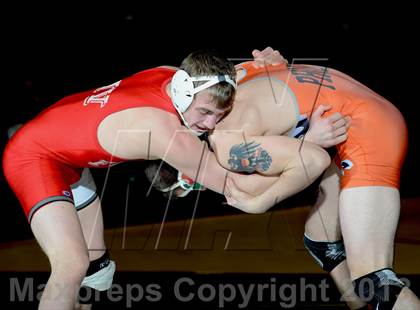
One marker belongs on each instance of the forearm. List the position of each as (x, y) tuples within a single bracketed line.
[(185, 152), (211, 175), (253, 184), (299, 173), (201, 166)]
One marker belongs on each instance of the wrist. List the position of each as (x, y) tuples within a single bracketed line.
[(307, 137)]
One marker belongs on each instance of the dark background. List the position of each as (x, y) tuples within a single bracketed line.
[(51, 52)]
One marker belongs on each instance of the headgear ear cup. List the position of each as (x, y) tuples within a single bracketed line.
[(182, 90)]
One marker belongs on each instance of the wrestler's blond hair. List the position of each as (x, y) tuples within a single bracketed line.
[(204, 63)]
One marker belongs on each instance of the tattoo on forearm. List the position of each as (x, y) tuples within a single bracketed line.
[(249, 157)]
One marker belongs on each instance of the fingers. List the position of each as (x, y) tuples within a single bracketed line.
[(334, 136), (267, 56), (340, 131), (258, 59), (348, 121), (328, 131), (340, 123), (258, 63), (276, 59), (340, 139), (335, 117), (256, 53), (339, 136), (320, 110), (272, 56), (267, 51)]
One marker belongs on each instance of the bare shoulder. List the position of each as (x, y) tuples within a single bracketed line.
[(138, 131), (163, 124), (170, 139), (251, 120), (160, 124), (144, 119), (164, 119)]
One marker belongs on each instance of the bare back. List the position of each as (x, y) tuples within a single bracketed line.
[(263, 106)]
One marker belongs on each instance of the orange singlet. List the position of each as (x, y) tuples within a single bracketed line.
[(376, 146)]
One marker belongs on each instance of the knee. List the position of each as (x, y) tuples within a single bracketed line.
[(71, 268), (327, 254), (380, 288), (362, 260)]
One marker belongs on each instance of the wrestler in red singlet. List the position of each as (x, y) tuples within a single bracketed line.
[(376, 146), (48, 154)]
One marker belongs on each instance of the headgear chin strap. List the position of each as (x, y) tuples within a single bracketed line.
[(183, 90), (186, 183)]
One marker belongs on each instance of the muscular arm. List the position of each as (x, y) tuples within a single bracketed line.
[(266, 155), (298, 166), (299, 173), (178, 147), (174, 144)]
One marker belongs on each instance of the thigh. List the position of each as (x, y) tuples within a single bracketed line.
[(323, 223), (369, 218), (57, 229), (91, 221), (89, 211), (37, 179)]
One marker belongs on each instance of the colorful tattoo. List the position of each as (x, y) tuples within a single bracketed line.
[(249, 157)]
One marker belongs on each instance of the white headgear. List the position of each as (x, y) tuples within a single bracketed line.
[(183, 90)]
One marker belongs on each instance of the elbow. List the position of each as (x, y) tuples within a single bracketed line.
[(323, 161), (256, 209), (316, 159), (323, 158), (249, 209)]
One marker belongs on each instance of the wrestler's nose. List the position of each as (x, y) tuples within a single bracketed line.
[(210, 122)]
